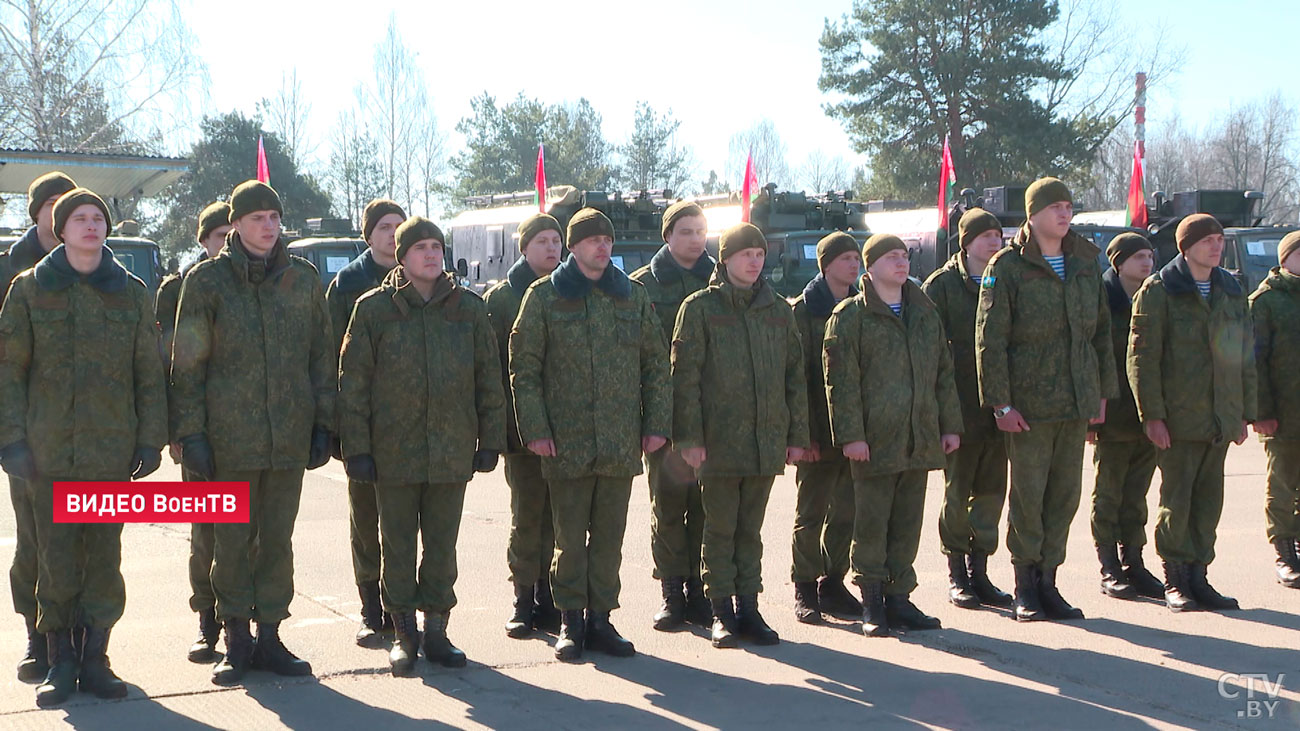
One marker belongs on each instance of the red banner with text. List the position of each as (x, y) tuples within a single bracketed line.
[(151, 502)]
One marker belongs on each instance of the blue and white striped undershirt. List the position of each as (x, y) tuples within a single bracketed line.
[(1204, 287), (977, 278), (897, 307), (1058, 264)]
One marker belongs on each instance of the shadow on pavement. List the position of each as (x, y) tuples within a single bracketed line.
[(309, 704), (135, 711)]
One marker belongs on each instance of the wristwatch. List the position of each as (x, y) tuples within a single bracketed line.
[(1002, 412)]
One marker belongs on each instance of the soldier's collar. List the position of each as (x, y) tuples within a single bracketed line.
[(54, 272)]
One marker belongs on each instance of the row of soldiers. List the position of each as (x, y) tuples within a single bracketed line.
[(566, 369)]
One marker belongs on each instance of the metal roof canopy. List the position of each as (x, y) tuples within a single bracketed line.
[(111, 176)]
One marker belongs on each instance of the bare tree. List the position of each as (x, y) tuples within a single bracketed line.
[(768, 150), (1255, 147), (103, 76), (821, 173), (287, 113), (397, 93), (354, 176), (429, 164)]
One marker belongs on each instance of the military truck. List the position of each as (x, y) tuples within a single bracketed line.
[(484, 241), (139, 255)]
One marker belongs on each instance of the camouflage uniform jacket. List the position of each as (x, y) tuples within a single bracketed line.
[(889, 381), (588, 370), (1122, 424), (1192, 363), (668, 284), (420, 382), (811, 311), (1275, 309), (503, 301), (80, 378), (1042, 344), (956, 296), (361, 275), (739, 388), (253, 360), (18, 258), (164, 308)]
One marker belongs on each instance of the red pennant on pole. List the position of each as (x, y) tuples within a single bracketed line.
[(947, 185), (539, 180), (1137, 200), (747, 187), (263, 169)]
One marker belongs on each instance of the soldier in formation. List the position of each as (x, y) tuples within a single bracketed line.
[(421, 408)]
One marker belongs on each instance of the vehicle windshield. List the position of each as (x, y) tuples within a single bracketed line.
[(1260, 251)]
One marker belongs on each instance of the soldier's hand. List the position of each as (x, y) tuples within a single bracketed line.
[(1090, 437), (652, 443), (1266, 427), (17, 460), (694, 456), (857, 451), (950, 443), (542, 447), (196, 456), (1245, 432), (361, 468), (794, 454), (485, 460), (1101, 414), (145, 462), (1013, 422), (320, 447), (1157, 432), (813, 453)]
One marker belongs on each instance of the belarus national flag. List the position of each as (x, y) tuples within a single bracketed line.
[(1136, 207), (947, 186)]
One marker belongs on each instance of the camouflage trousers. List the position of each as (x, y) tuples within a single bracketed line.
[(1282, 505), (79, 569), (363, 531), (676, 515), (202, 542), (732, 549), (532, 534), (252, 563), (590, 518), (1046, 482), (887, 529), (22, 572), (421, 519), (1191, 501), (974, 489), (1119, 497), (823, 520)]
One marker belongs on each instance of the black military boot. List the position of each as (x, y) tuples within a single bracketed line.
[(520, 624), (1054, 605), (1287, 564), (61, 679), (602, 637), (901, 612), (568, 646), (698, 610), (959, 589), (239, 653), (834, 598), (36, 663), (673, 612), (371, 633), (437, 648), (1206, 595), (269, 653), (1139, 577), (751, 623), (97, 674), (1178, 589), (875, 620), (725, 632), (406, 645), (977, 565), (204, 649), (807, 608), (1114, 582), (546, 618), (1029, 606)]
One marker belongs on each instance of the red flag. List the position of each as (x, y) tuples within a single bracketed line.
[(747, 187), (539, 180), (263, 170), (947, 185), (1137, 199)]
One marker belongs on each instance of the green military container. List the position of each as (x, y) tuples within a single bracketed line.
[(328, 255)]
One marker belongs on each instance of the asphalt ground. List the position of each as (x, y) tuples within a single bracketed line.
[(1130, 664)]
